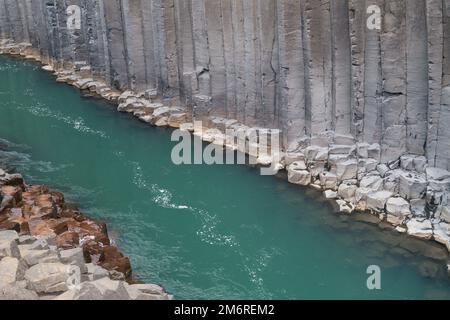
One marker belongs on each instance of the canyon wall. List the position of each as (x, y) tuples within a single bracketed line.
[(303, 66)]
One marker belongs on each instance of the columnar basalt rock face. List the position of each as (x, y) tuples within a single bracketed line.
[(304, 67)]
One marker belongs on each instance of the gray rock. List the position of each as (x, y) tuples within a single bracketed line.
[(398, 207), (437, 174), (347, 170), (8, 244), (11, 270), (74, 257), (412, 186), (102, 289), (383, 170), (11, 292), (347, 192), (372, 182), (420, 228), (48, 277), (328, 180), (329, 194), (147, 292), (33, 257), (96, 272), (296, 175), (376, 201)]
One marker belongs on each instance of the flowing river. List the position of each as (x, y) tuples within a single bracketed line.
[(203, 232)]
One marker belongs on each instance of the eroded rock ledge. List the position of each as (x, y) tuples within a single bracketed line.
[(405, 192), (42, 237)]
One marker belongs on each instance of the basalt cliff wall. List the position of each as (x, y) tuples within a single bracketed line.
[(302, 66)]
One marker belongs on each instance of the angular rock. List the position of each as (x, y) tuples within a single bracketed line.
[(376, 201), (328, 180), (13, 292), (298, 175), (329, 194), (48, 277), (412, 186), (372, 182), (74, 257), (398, 207), (420, 228), (347, 170), (8, 244), (11, 270), (347, 192)]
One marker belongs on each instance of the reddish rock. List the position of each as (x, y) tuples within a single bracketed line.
[(68, 240), (13, 191), (93, 251), (58, 198), (112, 259), (39, 227), (60, 227), (10, 225)]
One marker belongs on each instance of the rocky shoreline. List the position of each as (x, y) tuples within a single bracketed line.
[(405, 193), (50, 250)]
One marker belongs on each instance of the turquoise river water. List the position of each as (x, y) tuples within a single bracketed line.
[(203, 232)]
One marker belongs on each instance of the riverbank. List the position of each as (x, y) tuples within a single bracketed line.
[(50, 250), (349, 172)]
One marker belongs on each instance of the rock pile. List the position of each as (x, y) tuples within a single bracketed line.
[(49, 250)]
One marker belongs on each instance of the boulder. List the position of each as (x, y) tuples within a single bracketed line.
[(382, 169), (48, 277), (8, 244), (347, 170), (347, 192), (420, 228), (95, 272), (113, 260), (329, 194), (328, 180), (345, 207), (12, 191), (362, 193), (441, 234), (11, 270), (437, 174), (376, 201), (297, 175), (316, 168), (367, 165), (74, 257), (412, 186), (146, 292), (14, 292), (398, 207), (418, 207), (33, 257), (372, 182), (445, 214), (102, 289)]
